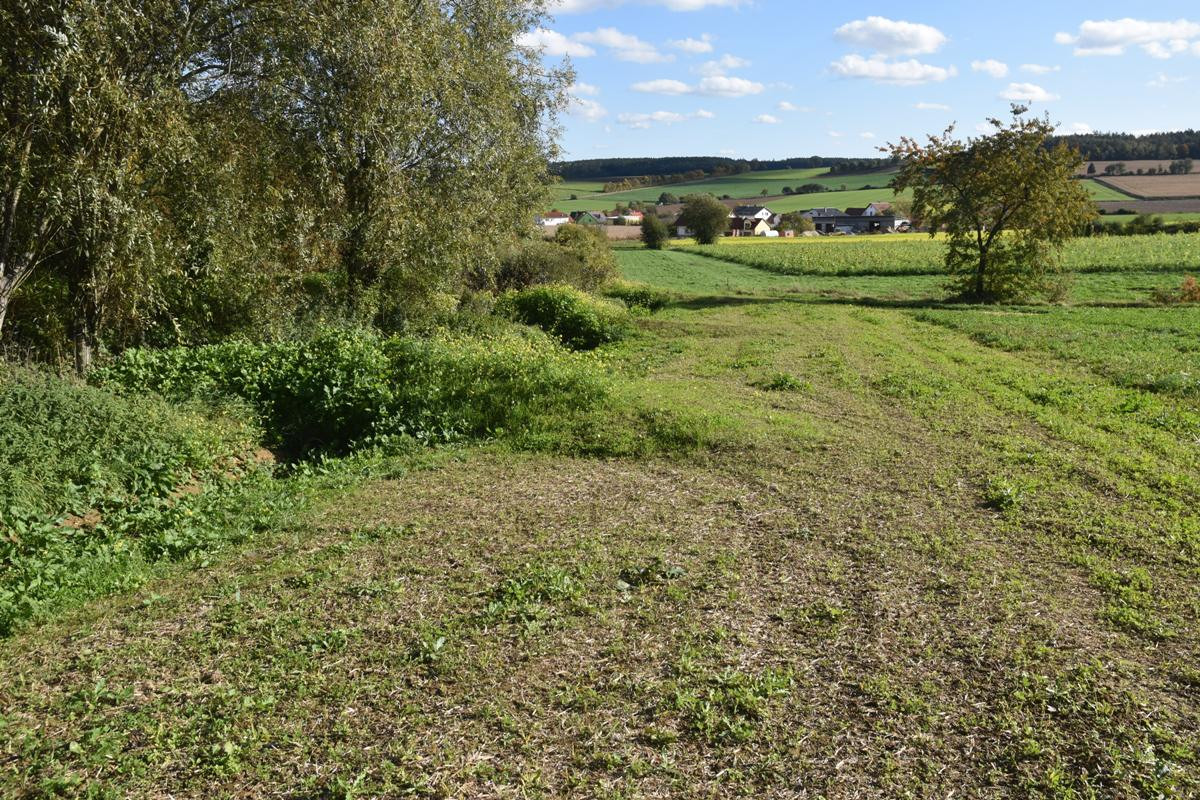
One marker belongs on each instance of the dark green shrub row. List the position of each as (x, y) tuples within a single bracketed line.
[(579, 320), (345, 388)]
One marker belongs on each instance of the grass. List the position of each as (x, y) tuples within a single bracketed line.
[(920, 255), (892, 551)]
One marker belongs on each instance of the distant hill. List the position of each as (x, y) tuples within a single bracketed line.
[(597, 168)]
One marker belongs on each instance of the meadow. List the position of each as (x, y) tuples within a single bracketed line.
[(879, 545)]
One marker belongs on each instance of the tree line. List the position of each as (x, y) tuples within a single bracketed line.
[(1129, 147), (599, 168), (176, 171)]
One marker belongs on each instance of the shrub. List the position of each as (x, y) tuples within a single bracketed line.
[(345, 388), (654, 232), (69, 447), (638, 295), (1189, 291), (578, 255), (579, 320)]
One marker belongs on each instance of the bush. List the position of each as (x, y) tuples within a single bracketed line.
[(654, 232), (578, 255), (69, 447), (638, 295), (346, 388), (579, 320)]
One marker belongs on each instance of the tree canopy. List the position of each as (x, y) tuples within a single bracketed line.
[(176, 170), (706, 216), (1006, 200)]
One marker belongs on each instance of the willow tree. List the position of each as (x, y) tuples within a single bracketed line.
[(428, 132), (1008, 201)]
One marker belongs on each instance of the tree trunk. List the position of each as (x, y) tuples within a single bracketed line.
[(360, 272), (84, 316)]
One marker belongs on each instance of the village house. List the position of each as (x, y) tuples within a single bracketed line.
[(752, 221), (589, 217), (552, 219)]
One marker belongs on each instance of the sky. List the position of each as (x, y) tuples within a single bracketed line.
[(785, 78)]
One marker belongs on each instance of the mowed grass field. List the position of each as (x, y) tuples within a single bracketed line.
[(899, 548)]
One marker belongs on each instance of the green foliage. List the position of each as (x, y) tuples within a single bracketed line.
[(638, 295), (654, 232), (183, 174), (1007, 202), (579, 320), (93, 485), (578, 255), (345, 388), (706, 216)]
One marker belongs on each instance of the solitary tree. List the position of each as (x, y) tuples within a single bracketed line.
[(1007, 201), (666, 198), (654, 232), (706, 216)]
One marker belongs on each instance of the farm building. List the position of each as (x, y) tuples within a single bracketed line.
[(589, 217), (852, 220), (552, 219)]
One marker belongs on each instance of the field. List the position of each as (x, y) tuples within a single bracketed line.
[(888, 547), (748, 186), (1156, 186), (845, 191), (918, 254)]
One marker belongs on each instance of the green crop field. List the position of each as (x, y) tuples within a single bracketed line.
[(915, 254), (1101, 192)]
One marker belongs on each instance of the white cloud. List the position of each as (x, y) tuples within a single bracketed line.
[(836, 134), (553, 43), (694, 46), (1027, 93), (997, 69), (1077, 127), (728, 86), (784, 105), (662, 86), (712, 86), (722, 65), (931, 107), (1039, 69), (1111, 37), (589, 110), (579, 104), (903, 73), (580, 6), (1164, 80), (866, 135), (644, 121), (892, 37), (767, 119), (624, 46)]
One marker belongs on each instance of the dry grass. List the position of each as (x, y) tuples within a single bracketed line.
[(1156, 187)]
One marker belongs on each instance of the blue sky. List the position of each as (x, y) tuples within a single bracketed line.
[(777, 78)]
